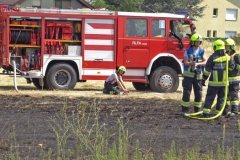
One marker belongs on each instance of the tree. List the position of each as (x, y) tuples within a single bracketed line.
[(124, 5), (99, 4), (193, 7)]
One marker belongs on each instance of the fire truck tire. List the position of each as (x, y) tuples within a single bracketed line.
[(61, 76), (141, 86), (37, 83), (164, 79)]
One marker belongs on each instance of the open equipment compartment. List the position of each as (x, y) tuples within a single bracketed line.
[(25, 42), (63, 37)]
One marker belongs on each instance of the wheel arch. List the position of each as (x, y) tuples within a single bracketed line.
[(69, 62), (165, 59)]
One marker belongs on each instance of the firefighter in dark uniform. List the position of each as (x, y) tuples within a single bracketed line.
[(216, 69), (194, 62), (114, 82), (233, 78)]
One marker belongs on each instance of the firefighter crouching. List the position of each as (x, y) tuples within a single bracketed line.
[(233, 78), (114, 82), (215, 68), (194, 62)]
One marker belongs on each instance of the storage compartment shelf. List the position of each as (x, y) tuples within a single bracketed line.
[(23, 46), (19, 25), (60, 40)]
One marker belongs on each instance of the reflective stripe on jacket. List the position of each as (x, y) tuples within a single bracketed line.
[(216, 66), (234, 74)]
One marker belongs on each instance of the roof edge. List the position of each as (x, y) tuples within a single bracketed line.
[(86, 4)]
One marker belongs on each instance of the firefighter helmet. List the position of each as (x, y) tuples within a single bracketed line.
[(218, 45), (230, 42), (196, 37), (121, 68)]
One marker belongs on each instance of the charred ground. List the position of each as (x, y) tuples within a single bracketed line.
[(154, 119)]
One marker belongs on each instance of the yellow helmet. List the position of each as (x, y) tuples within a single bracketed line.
[(218, 45), (196, 37), (230, 42), (121, 68)]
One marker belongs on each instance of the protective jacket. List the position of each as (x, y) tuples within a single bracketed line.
[(216, 65), (234, 74), (190, 71)]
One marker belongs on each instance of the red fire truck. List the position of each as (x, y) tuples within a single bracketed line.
[(56, 48)]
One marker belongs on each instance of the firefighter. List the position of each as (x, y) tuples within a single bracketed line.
[(233, 78), (215, 68), (194, 62), (114, 82)]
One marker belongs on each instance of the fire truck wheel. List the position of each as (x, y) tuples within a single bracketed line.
[(141, 86), (37, 82), (164, 79), (61, 76)]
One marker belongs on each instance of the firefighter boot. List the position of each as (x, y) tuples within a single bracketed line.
[(206, 115), (226, 110), (184, 110), (196, 109), (104, 91)]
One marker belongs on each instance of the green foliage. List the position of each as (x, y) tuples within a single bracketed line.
[(92, 139), (172, 153), (124, 5), (192, 7), (99, 4), (193, 153)]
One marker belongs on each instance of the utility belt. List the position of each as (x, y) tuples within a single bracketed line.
[(107, 82)]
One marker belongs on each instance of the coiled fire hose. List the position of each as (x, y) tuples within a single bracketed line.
[(196, 115)]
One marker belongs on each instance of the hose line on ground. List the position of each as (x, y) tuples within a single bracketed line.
[(194, 115), (14, 75)]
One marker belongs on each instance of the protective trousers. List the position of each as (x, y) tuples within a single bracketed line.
[(189, 83), (111, 88), (212, 91), (232, 99)]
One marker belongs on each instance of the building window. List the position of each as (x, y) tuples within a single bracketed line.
[(136, 27), (214, 33), (158, 28), (62, 4), (208, 33), (230, 33), (231, 14), (215, 12)]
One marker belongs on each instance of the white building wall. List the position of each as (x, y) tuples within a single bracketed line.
[(218, 23)]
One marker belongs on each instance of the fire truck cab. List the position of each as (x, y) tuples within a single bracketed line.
[(56, 48)]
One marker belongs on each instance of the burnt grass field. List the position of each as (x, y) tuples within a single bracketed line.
[(154, 119)]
